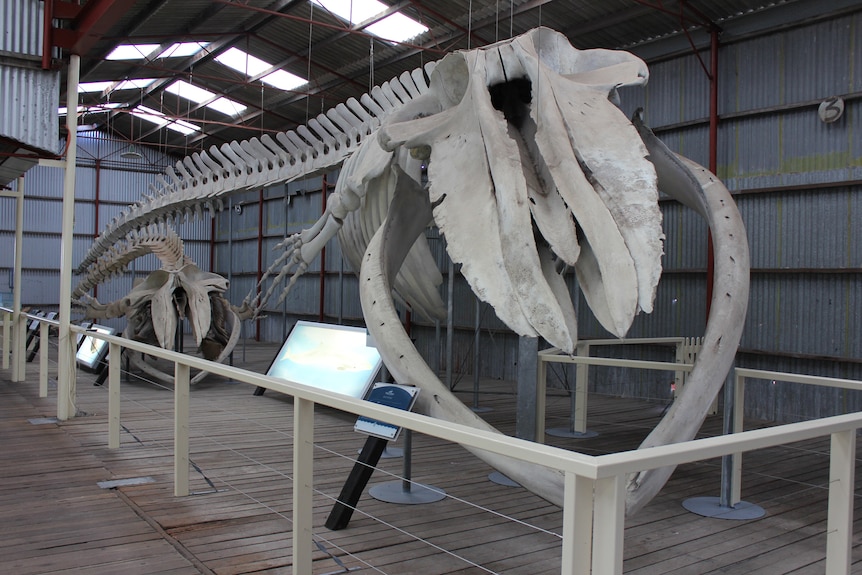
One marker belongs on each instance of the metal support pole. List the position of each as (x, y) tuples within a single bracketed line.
[(528, 371), (18, 350), (476, 357), (66, 341), (7, 330), (450, 323)]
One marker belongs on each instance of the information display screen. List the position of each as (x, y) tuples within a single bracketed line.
[(329, 357), (92, 351)]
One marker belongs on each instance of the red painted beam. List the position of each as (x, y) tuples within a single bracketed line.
[(93, 21)]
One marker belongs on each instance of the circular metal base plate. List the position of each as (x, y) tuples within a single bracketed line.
[(567, 432), (500, 479), (394, 492), (711, 507), (479, 409)]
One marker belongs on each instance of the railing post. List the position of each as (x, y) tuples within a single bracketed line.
[(582, 385), (19, 348), (7, 328), (114, 359), (577, 524), (303, 480), (181, 429), (541, 398), (608, 525), (43, 359), (839, 524)]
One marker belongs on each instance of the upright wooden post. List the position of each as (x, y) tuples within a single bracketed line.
[(181, 429), (303, 480), (66, 341), (114, 359), (608, 525), (43, 359), (577, 524), (839, 524)]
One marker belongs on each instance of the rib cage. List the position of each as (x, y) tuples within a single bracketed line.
[(202, 180)]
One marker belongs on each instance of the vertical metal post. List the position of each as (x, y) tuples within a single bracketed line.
[(727, 488), (737, 427), (528, 369), (114, 359), (476, 355), (66, 341), (541, 397), (7, 330), (839, 523), (577, 524), (450, 323), (17, 340), (303, 480), (582, 385), (181, 429), (43, 359), (608, 526)]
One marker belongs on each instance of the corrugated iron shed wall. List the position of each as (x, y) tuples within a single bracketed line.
[(29, 96), (796, 180), (105, 185)]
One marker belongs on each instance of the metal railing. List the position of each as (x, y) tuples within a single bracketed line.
[(594, 486)]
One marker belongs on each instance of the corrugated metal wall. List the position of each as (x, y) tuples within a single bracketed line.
[(29, 96), (796, 181), (105, 185)]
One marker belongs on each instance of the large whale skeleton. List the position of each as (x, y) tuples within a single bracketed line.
[(530, 169)]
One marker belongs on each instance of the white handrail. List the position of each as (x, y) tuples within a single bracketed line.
[(594, 485)]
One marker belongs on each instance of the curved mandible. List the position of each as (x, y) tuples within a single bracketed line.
[(696, 187)]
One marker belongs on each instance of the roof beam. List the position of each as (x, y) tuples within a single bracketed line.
[(92, 22)]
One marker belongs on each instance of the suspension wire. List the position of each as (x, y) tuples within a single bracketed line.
[(469, 23), (310, 42), (497, 22)]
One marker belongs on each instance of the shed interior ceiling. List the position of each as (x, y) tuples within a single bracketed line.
[(139, 99)]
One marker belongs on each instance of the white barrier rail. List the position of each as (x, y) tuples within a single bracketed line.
[(595, 486), (583, 360)]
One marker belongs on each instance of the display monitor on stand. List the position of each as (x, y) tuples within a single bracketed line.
[(92, 351), (336, 358)]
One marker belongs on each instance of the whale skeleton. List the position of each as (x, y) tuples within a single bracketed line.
[(517, 153)]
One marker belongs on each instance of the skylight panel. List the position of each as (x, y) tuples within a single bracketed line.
[(160, 120), (200, 95), (283, 80), (395, 27), (182, 49), (63, 110), (252, 66), (149, 115), (131, 51), (135, 84), (354, 11), (242, 62), (183, 127), (94, 86)]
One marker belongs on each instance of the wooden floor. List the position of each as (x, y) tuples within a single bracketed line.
[(56, 518)]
